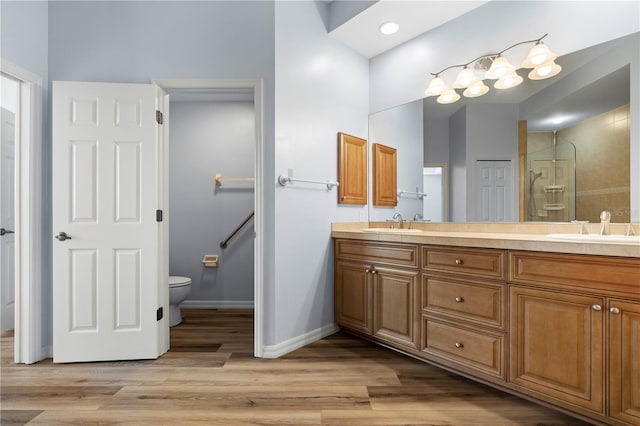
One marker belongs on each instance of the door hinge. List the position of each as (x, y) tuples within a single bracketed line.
[(158, 215), (159, 314), (159, 117)]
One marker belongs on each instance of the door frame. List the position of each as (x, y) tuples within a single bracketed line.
[(256, 86), (28, 344)]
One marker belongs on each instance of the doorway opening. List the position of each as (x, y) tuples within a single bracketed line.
[(211, 171), (20, 183), (436, 204), (223, 120)]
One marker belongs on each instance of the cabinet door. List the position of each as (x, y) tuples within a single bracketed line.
[(396, 306), (556, 346), (624, 376), (352, 169), (385, 187), (352, 294)]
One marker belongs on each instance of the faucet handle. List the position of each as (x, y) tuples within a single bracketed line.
[(629, 231), (583, 228), (605, 215)]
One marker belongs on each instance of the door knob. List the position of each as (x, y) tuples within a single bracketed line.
[(62, 236), (5, 231)]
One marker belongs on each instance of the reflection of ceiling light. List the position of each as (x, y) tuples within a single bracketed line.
[(448, 97), (389, 28), (476, 89), (540, 58), (557, 120)]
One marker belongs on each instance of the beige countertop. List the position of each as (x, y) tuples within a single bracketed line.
[(512, 236)]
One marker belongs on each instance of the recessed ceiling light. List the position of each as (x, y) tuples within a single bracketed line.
[(389, 28)]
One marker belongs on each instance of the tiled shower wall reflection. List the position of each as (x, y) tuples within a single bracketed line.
[(602, 163)]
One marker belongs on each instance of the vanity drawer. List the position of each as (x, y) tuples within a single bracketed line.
[(393, 254), (485, 263), (480, 303), (480, 351), (598, 274)]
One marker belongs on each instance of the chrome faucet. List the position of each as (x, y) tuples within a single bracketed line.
[(416, 218), (398, 217), (583, 226), (605, 218)]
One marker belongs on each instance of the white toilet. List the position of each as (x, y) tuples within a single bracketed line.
[(178, 291)]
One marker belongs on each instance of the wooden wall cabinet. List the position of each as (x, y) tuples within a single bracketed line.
[(385, 179), (352, 169)]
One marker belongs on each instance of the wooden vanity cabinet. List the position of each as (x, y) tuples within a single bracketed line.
[(464, 308), (574, 322), (624, 360), (557, 345), (377, 291)]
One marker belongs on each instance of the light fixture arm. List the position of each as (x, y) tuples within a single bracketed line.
[(489, 55)]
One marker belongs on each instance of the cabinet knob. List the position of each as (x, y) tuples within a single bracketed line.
[(614, 310), (459, 299), (373, 271), (459, 262), (596, 307), (366, 271), (458, 345)]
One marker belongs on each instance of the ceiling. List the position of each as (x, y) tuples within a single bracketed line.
[(361, 33)]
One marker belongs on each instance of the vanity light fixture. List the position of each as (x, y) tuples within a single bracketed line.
[(389, 28), (540, 58)]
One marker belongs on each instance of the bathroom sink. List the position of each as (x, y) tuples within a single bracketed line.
[(597, 238), (392, 230)]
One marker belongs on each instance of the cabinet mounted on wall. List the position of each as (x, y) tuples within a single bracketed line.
[(352, 169), (384, 176)]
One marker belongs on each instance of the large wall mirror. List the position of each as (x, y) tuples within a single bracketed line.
[(554, 150)]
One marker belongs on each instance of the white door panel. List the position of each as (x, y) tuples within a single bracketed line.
[(105, 186), (7, 220), (493, 193)]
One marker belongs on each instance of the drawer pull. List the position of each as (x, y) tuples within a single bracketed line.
[(614, 310), (373, 271), (459, 299), (366, 271), (459, 262), (459, 345), (596, 307)]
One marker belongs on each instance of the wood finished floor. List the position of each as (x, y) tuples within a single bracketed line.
[(211, 378)]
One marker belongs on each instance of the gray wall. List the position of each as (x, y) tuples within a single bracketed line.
[(208, 138), (322, 89)]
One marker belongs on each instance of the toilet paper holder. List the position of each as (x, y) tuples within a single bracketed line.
[(210, 261)]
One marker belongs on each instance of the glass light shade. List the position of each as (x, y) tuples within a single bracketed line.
[(436, 87), (539, 54), (465, 78), (476, 89), (500, 67), (546, 70), (448, 97), (508, 81)]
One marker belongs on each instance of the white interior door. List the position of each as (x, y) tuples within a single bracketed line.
[(105, 196), (7, 220), (493, 192)]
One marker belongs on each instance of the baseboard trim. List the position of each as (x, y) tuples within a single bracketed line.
[(276, 351), (217, 304)]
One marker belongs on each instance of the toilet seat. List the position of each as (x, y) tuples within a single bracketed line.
[(177, 281)]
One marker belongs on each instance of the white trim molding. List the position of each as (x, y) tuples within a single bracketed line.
[(276, 351), (28, 347), (217, 304)]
